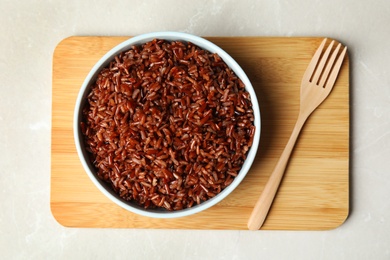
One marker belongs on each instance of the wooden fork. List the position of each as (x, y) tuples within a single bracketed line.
[(317, 82)]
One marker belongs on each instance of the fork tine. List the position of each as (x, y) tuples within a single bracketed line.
[(336, 69), (312, 65), (329, 66), (322, 63)]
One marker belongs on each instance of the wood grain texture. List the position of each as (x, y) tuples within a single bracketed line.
[(314, 194)]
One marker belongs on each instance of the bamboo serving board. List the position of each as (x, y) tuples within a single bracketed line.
[(314, 194)]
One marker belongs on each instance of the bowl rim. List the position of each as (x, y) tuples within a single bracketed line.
[(139, 40)]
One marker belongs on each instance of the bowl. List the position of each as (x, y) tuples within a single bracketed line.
[(86, 87)]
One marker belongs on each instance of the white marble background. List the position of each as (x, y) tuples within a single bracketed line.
[(29, 32)]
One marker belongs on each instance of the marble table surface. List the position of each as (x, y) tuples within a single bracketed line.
[(29, 33)]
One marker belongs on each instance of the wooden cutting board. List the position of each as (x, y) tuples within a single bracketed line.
[(314, 194)]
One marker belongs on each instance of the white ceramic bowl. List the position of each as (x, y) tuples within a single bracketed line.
[(85, 88)]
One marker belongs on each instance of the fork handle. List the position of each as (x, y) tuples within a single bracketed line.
[(263, 204)]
